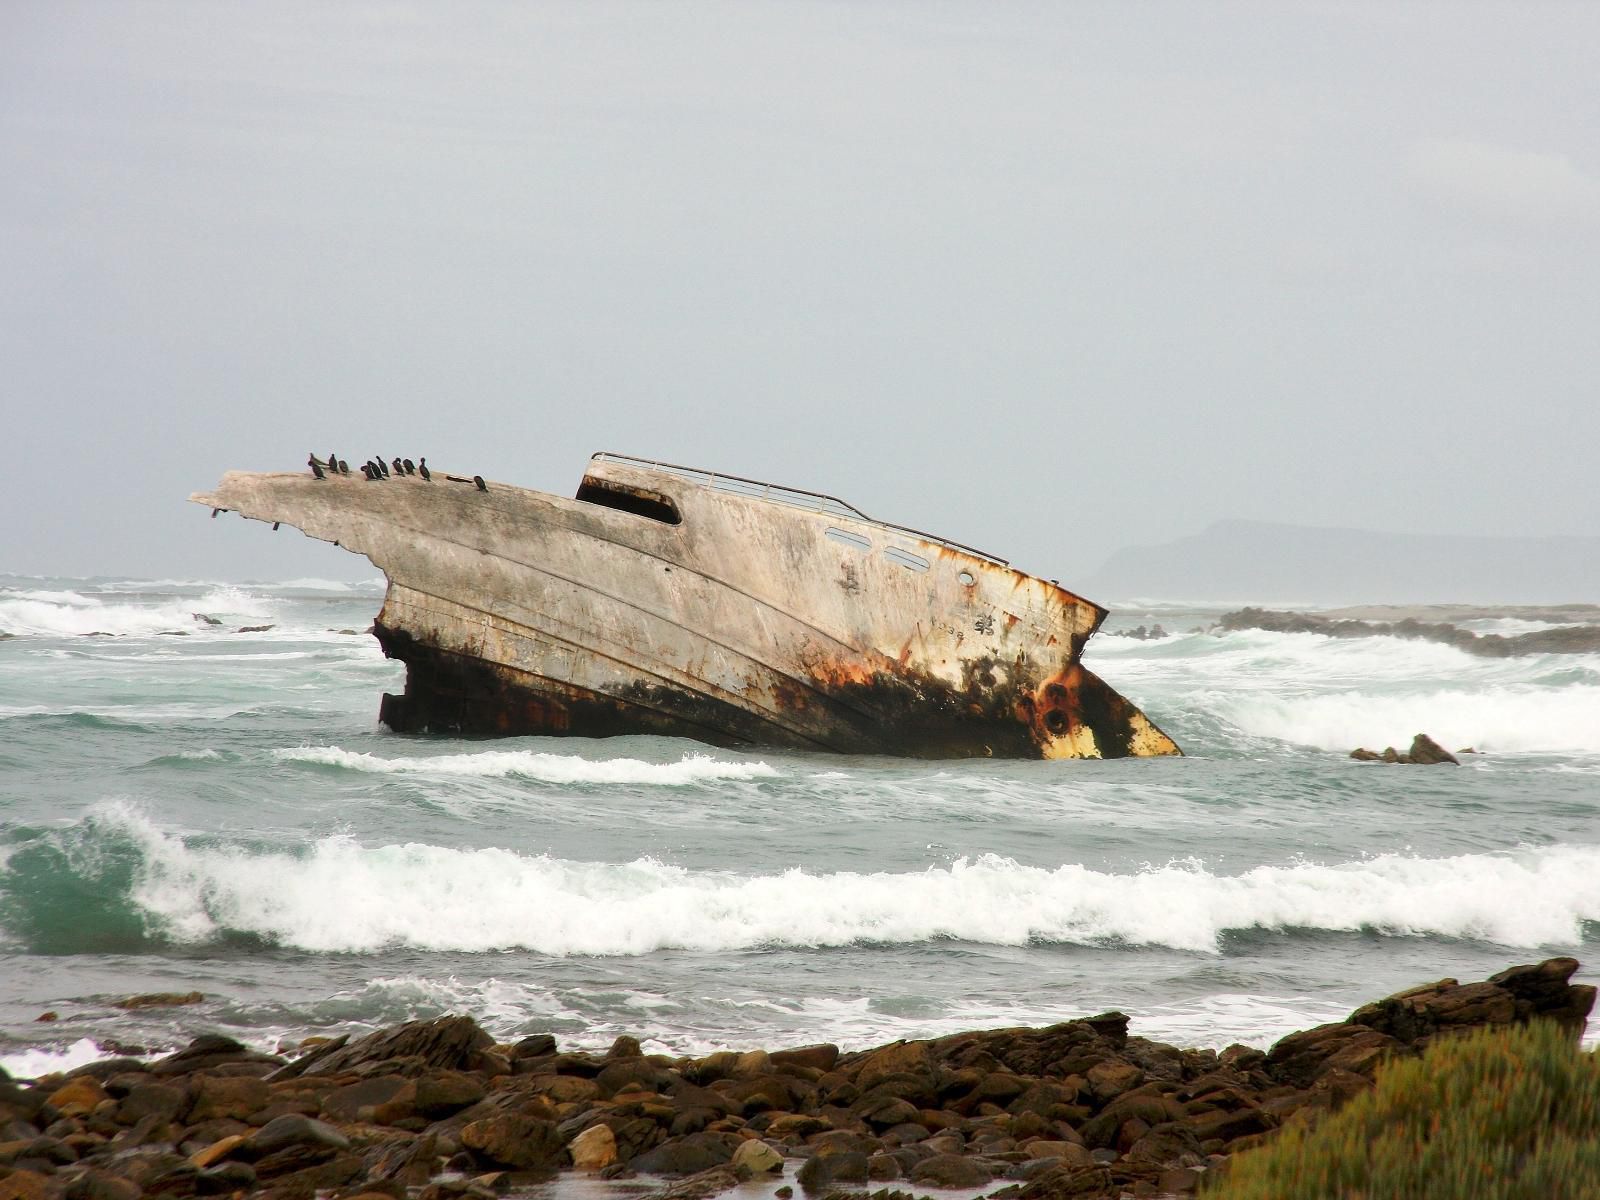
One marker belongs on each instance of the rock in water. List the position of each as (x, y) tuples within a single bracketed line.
[(1426, 751), (453, 1043)]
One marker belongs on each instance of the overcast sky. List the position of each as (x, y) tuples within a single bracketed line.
[(1050, 279)]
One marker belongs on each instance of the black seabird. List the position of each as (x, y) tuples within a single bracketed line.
[(482, 486), (316, 467), (333, 462), (382, 468), (399, 467), (422, 468), (411, 467), (344, 467)]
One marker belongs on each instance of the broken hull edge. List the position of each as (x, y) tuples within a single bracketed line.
[(455, 693)]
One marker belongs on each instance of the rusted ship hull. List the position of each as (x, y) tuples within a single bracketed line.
[(659, 601)]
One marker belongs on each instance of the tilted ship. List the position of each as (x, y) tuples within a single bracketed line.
[(668, 600)]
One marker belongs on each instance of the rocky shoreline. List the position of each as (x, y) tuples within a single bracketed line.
[(436, 1110)]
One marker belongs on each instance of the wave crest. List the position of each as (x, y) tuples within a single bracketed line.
[(340, 896), (531, 764)]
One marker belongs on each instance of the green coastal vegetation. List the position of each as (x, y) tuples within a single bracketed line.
[(1494, 1114)]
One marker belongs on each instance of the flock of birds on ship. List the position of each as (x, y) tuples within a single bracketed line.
[(376, 470)]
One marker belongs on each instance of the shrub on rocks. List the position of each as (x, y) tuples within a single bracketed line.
[(1495, 1114)]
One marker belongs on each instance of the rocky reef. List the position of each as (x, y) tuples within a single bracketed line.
[(1559, 639), (436, 1109)]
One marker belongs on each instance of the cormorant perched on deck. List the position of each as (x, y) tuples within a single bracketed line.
[(382, 469), (399, 467), (411, 467), (344, 467), (422, 468), (366, 469), (482, 486), (333, 462), (316, 467)]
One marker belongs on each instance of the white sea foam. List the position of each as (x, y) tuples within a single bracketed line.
[(75, 614), (46, 1060), (1497, 719), (530, 764), (342, 896)]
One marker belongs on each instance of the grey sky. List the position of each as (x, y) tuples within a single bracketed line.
[(1050, 279)]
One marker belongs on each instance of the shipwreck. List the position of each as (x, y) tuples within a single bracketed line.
[(668, 600)]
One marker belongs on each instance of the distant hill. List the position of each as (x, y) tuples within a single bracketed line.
[(1264, 562)]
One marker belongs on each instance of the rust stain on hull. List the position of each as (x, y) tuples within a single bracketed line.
[(670, 601)]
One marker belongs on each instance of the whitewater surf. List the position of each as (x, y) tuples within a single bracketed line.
[(196, 796)]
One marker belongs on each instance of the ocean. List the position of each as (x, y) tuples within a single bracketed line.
[(195, 795)]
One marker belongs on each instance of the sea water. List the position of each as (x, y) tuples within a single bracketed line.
[(195, 795)]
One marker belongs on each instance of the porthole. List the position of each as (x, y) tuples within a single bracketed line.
[(967, 578)]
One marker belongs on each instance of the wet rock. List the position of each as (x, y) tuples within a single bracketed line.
[(536, 1045), (217, 1150), (439, 1094), (207, 1052), (903, 1058), (292, 1130), (823, 1056), (1172, 1143), (625, 1047), (96, 1184), (884, 1168), (685, 1156), (26, 1185), (451, 1043), (711, 1182), (407, 1163), (594, 1149), (359, 1101), (77, 1096), (226, 1178), (159, 1000), (821, 1171), (756, 1158), (1427, 752), (221, 1096), (1064, 1153), (514, 1140), (950, 1170), (163, 1101)]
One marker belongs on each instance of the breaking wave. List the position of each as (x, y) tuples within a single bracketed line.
[(1494, 719), (529, 764), (115, 880), (40, 613)]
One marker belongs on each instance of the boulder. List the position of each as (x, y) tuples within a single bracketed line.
[(451, 1043), (594, 1149), (208, 1051), (951, 1171), (821, 1171), (292, 1130), (231, 1097), (515, 1140), (823, 1056), (755, 1158)]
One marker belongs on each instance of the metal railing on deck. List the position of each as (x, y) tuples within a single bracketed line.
[(794, 497)]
